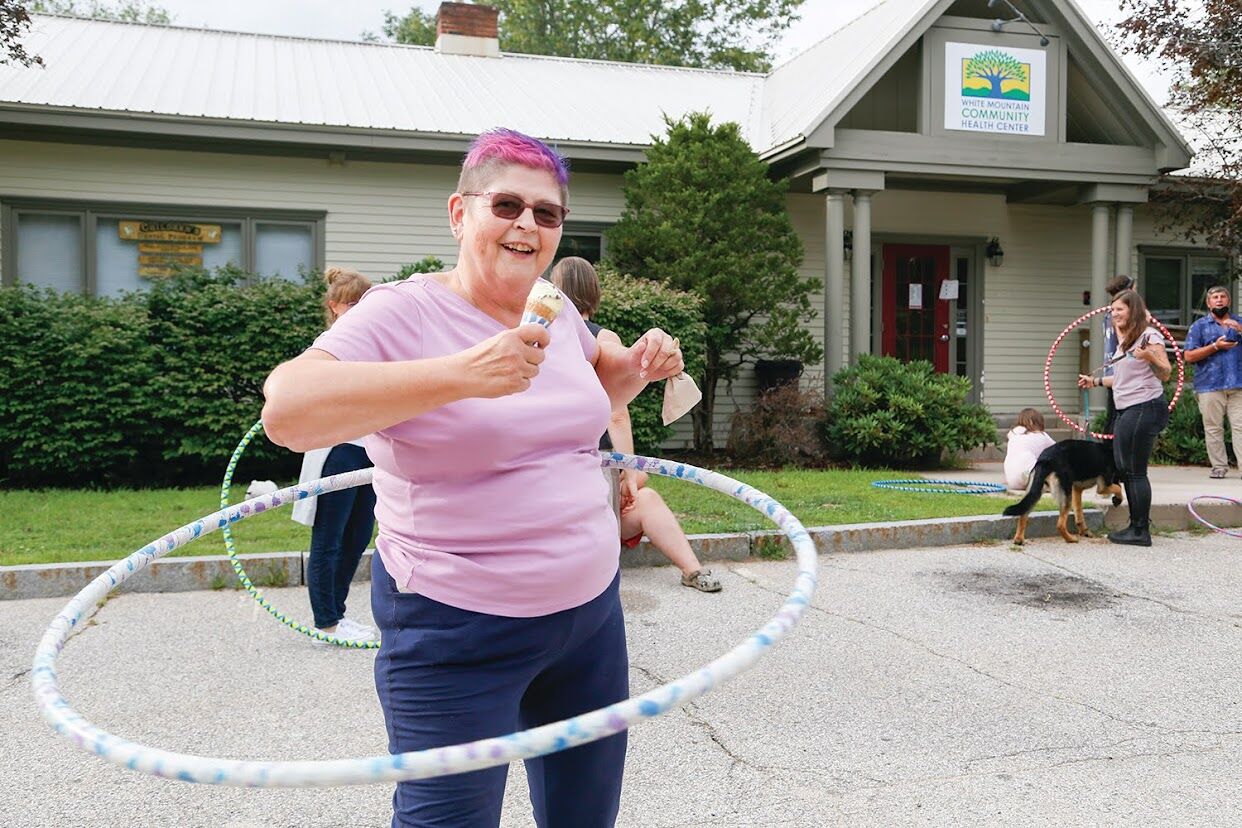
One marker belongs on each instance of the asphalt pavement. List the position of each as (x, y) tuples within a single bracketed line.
[(970, 685)]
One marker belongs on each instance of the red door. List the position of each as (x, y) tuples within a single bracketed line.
[(916, 320)]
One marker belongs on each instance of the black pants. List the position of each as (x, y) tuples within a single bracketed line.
[(1134, 435)]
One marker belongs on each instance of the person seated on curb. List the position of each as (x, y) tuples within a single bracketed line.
[(643, 511)]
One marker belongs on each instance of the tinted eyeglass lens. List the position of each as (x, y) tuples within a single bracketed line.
[(506, 207), (509, 207)]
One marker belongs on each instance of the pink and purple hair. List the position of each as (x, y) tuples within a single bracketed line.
[(502, 147)]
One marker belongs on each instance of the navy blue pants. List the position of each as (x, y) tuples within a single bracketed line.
[(1134, 436), (344, 521), (446, 675)]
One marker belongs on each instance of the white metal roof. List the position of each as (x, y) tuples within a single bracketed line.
[(166, 70)]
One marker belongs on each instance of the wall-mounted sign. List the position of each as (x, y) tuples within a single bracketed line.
[(998, 89), (169, 231), (164, 246)]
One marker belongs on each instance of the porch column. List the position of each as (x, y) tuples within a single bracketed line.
[(860, 278), (834, 287), (1099, 296), (1125, 239)]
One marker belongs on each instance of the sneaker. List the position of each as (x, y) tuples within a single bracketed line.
[(344, 632), (1219, 474), (350, 625)]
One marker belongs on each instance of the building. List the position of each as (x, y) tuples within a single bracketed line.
[(963, 187)]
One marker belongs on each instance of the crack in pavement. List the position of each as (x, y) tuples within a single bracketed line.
[(977, 670), (691, 711), (15, 679), (1120, 592), (956, 777)]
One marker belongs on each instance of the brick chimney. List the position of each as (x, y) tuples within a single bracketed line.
[(467, 29)]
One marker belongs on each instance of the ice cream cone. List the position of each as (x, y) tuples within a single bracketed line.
[(543, 304)]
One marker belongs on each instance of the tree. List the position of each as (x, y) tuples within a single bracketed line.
[(418, 28), (125, 11), (702, 216), (715, 34), (1199, 45), (13, 20), (995, 67)]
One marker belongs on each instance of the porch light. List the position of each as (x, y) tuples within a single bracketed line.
[(994, 252)]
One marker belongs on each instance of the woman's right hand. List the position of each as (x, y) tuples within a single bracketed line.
[(506, 363)]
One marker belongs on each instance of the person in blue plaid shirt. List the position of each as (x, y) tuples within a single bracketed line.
[(1212, 345)]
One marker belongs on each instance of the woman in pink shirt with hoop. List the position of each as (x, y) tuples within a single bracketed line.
[(495, 586)]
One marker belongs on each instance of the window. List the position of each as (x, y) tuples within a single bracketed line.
[(1174, 283), (107, 249), (584, 241)]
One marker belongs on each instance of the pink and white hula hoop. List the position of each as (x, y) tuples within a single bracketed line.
[(1195, 513), (1177, 393)]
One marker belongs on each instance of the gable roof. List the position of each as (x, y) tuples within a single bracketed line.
[(199, 73), (853, 58), (232, 78), (837, 64)]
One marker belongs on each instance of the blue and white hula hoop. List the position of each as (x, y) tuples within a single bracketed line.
[(423, 764), (931, 486)]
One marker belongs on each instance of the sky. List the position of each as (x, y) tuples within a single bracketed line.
[(348, 20)]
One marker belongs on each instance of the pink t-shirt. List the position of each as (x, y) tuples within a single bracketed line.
[(490, 505)]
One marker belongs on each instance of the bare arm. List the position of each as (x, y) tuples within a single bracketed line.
[(1216, 345), (314, 400), (624, 372), (1154, 354)]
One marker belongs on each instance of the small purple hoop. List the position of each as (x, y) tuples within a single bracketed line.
[(1204, 521)]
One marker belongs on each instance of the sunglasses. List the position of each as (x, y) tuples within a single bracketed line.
[(508, 206)]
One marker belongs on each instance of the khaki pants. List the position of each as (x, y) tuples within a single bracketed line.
[(1214, 406)]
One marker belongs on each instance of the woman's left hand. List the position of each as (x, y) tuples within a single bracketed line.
[(656, 356)]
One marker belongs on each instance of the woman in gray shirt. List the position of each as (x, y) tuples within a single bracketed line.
[(1140, 367)]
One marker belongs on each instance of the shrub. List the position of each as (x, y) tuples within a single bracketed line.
[(216, 337), (427, 264), (75, 374), (630, 307), (781, 429), (888, 414)]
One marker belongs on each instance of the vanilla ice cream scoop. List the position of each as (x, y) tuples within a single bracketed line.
[(543, 304)]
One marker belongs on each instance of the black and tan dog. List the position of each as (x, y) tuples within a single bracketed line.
[(1074, 466)]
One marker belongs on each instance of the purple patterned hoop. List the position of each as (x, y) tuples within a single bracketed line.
[(1195, 514)]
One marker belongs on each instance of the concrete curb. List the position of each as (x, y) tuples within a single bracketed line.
[(288, 568)]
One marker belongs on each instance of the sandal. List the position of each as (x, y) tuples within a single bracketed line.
[(701, 579)]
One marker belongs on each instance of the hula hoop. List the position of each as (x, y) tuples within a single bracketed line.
[(919, 485), (423, 764), (240, 571), (1177, 393), (1195, 514)]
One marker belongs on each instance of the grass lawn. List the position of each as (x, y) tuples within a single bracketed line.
[(54, 526)]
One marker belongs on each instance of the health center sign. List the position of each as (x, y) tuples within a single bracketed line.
[(994, 89)]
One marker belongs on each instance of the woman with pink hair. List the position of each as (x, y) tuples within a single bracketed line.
[(495, 586)]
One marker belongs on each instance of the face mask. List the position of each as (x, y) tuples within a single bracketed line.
[(1220, 313)]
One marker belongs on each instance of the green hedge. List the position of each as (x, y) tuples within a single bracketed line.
[(892, 415), (156, 388), (630, 307), (153, 388)]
